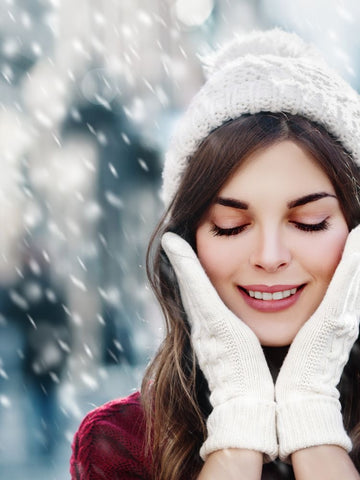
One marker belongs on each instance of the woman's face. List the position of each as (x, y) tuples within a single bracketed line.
[(272, 240)]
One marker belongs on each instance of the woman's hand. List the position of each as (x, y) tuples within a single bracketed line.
[(231, 358), (308, 407)]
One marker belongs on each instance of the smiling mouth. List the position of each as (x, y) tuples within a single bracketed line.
[(268, 296)]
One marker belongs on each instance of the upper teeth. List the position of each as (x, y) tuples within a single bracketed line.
[(272, 296)]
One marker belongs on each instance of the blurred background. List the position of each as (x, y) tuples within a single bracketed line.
[(89, 93)]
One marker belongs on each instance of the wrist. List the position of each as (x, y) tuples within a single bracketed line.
[(232, 464), (323, 462)]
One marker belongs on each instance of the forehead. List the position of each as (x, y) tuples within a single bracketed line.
[(281, 169)]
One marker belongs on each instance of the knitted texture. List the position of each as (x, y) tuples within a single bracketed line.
[(109, 444), (308, 407), (271, 71), (231, 358), (120, 424)]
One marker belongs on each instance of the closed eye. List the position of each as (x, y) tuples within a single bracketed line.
[(217, 231), (312, 227), (305, 227)]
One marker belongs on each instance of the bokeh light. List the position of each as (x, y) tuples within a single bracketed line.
[(192, 13)]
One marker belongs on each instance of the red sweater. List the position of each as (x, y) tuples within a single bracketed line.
[(109, 444)]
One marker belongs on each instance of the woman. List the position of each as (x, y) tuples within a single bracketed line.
[(262, 183)]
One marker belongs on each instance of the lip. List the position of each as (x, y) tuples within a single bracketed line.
[(271, 305)]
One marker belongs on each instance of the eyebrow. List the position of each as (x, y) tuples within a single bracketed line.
[(312, 197), (240, 205), (231, 202)]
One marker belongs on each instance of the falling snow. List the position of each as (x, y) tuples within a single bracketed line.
[(88, 99)]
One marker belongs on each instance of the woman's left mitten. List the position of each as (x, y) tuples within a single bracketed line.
[(308, 406)]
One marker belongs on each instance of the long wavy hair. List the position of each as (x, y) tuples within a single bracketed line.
[(175, 394)]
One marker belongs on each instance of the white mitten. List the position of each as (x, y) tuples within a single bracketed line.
[(308, 406), (231, 358)]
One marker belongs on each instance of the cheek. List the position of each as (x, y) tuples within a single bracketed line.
[(324, 256), (218, 256)]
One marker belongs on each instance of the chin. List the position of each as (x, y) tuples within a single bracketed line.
[(276, 342), (275, 333), (276, 339)]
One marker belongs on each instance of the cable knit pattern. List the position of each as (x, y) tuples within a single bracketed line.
[(266, 71), (231, 358), (110, 443), (308, 406)]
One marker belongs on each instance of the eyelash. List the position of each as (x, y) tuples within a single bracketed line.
[(304, 227), (228, 232), (312, 227)]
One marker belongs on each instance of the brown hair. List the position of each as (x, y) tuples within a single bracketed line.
[(174, 391)]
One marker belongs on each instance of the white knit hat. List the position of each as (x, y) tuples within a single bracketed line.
[(272, 71)]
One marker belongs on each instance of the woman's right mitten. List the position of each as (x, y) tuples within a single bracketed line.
[(231, 358)]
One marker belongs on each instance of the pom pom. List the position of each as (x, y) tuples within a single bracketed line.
[(272, 42)]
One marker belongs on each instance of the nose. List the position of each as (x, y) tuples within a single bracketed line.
[(270, 251)]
